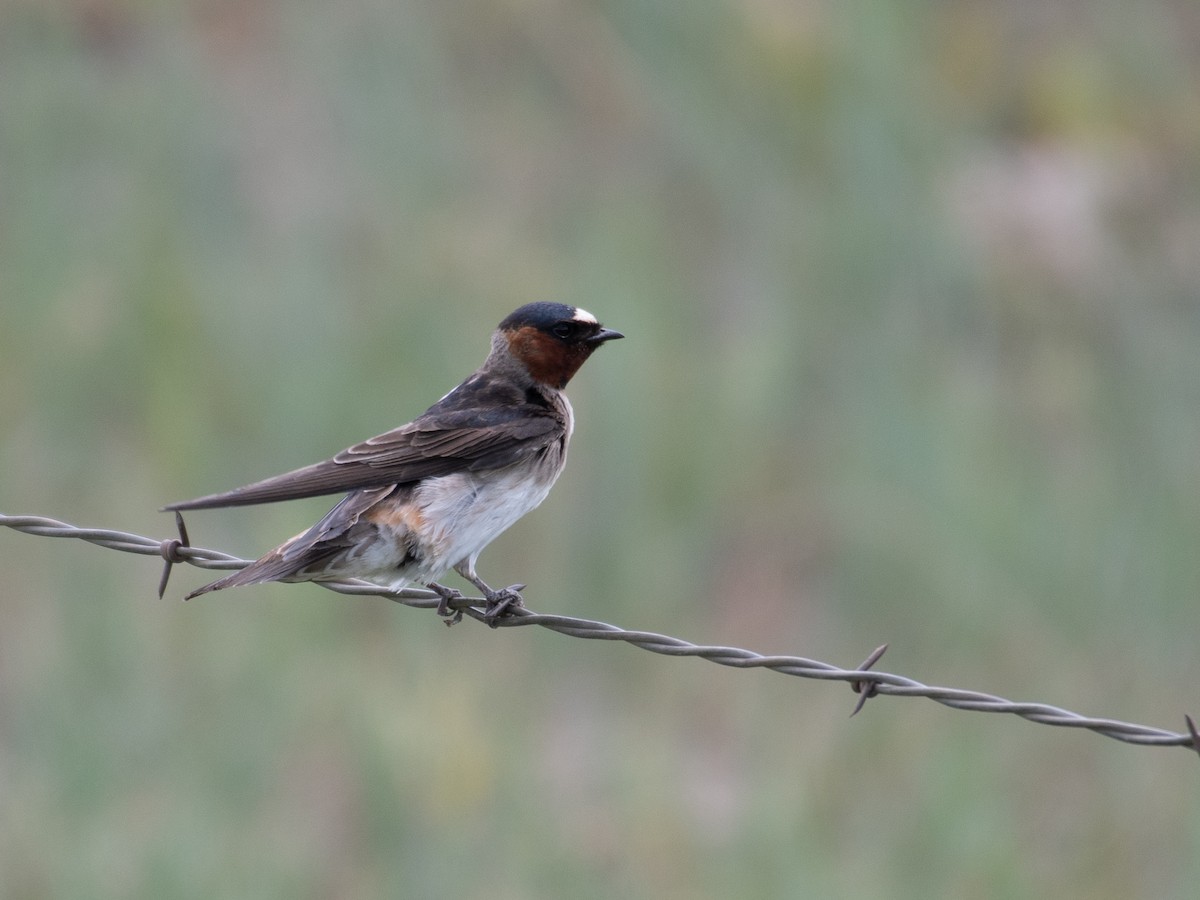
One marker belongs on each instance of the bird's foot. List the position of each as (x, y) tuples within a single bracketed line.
[(448, 596), (500, 602)]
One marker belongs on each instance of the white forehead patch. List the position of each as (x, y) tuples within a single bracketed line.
[(582, 315)]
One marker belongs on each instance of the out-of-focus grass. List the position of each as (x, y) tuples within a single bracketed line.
[(912, 305)]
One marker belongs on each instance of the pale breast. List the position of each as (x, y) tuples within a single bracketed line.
[(466, 511)]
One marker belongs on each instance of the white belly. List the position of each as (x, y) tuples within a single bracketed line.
[(467, 512)]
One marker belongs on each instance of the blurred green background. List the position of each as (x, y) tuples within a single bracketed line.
[(912, 292)]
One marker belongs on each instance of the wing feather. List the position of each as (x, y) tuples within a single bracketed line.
[(482, 424)]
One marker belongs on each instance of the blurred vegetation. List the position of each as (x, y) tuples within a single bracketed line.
[(912, 296)]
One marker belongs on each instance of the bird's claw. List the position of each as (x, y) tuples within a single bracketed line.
[(498, 602), (448, 596), (501, 602)]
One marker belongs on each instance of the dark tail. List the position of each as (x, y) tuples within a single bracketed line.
[(272, 567), (310, 551)]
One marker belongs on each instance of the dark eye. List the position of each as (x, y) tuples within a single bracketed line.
[(563, 330)]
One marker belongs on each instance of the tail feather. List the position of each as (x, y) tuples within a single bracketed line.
[(308, 554), (271, 567)]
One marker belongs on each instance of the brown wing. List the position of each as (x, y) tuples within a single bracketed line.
[(484, 423)]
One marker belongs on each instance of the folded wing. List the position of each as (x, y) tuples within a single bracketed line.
[(459, 433)]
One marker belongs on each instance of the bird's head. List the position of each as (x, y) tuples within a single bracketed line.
[(552, 340)]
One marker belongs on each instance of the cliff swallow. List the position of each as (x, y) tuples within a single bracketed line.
[(429, 496)]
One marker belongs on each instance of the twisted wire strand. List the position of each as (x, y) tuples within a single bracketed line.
[(866, 682)]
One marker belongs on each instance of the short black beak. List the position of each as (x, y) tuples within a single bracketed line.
[(605, 334)]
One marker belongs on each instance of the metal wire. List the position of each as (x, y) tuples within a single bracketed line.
[(865, 682)]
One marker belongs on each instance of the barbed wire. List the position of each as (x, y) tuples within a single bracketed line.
[(864, 681)]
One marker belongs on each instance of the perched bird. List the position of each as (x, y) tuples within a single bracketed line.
[(428, 496)]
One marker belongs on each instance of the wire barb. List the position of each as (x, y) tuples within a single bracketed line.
[(170, 552), (866, 683), (865, 688)]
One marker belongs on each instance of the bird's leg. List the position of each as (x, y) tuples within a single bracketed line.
[(501, 601), (498, 602), (447, 595)]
